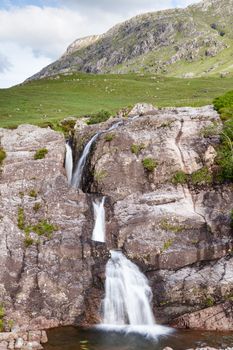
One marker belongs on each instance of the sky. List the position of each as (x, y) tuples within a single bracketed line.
[(34, 33)]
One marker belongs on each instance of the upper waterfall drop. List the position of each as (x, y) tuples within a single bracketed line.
[(78, 173), (98, 233), (69, 162), (127, 302)]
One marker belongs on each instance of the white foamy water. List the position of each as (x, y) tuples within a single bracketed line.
[(127, 302), (77, 177), (69, 163), (98, 233)]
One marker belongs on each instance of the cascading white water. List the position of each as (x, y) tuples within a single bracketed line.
[(127, 302), (77, 176), (98, 233), (78, 173), (128, 294), (69, 163)]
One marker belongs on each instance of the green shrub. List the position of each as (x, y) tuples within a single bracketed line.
[(67, 126), (167, 245), (201, 177), (149, 164), (36, 207), (11, 324), (109, 137), (33, 193), (28, 241), (179, 178), (99, 117), (137, 148), (2, 311), (21, 218), (2, 155), (224, 105), (40, 153), (167, 226), (100, 175), (209, 302), (1, 326), (42, 228)]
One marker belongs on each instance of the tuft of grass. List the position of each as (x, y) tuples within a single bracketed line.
[(40, 153), (211, 130), (167, 226), (28, 241), (42, 228), (109, 137), (179, 178), (21, 218), (202, 177), (137, 148), (2, 155), (149, 164), (36, 207), (100, 175), (2, 314), (167, 245), (33, 193), (99, 117), (209, 302)]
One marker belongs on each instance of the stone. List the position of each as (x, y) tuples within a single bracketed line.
[(33, 345), (44, 338), (19, 343), (11, 344)]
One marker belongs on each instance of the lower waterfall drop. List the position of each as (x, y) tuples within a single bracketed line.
[(127, 302), (98, 233)]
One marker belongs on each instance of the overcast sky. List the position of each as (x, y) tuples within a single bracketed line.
[(34, 33)]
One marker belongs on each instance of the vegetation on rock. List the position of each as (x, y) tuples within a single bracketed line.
[(137, 148), (40, 153), (149, 164), (201, 177), (2, 155), (179, 178), (99, 117), (109, 137)]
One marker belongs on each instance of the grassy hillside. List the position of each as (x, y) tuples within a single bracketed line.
[(51, 100)]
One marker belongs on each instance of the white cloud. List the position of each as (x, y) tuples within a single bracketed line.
[(23, 64)]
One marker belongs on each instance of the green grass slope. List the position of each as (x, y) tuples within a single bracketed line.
[(51, 100)]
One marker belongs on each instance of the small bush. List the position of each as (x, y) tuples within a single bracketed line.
[(2, 311), (168, 226), (109, 137), (201, 177), (137, 148), (21, 218), (28, 241), (209, 302), (167, 245), (36, 207), (149, 164), (179, 178), (40, 153), (100, 175), (99, 117), (33, 193), (1, 326), (2, 155), (42, 228)]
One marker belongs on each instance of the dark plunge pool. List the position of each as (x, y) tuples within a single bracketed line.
[(71, 338)]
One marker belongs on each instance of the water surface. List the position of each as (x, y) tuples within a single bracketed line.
[(72, 338)]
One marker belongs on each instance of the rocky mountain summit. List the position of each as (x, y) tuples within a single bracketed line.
[(194, 41), (178, 232)]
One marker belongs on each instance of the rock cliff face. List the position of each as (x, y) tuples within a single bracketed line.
[(181, 42), (179, 234)]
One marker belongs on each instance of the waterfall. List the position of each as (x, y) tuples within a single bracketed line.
[(69, 163), (127, 302), (77, 176), (98, 234), (78, 173)]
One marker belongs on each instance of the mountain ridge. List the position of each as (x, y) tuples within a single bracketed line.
[(194, 41)]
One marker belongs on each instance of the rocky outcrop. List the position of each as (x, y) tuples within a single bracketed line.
[(178, 232), (42, 233), (155, 42)]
